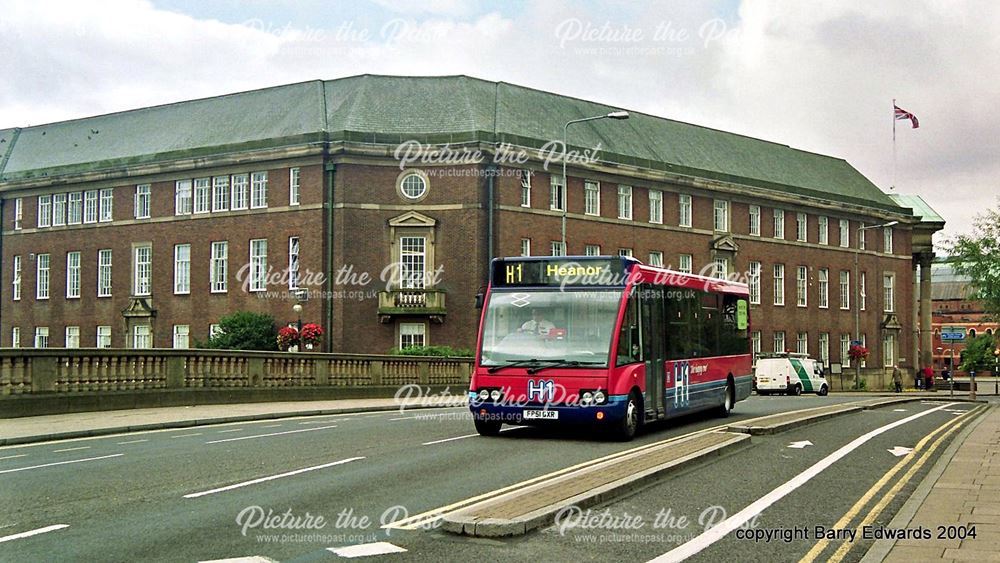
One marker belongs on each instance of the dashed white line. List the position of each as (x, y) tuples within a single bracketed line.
[(30, 533), (59, 463), (271, 434), (187, 435), (271, 426), (132, 442), (71, 449), (272, 477), (13, 456), (463, 437), (233, 430)]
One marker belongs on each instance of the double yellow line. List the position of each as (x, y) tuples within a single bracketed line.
[(918, 457)]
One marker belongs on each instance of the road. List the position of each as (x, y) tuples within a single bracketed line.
[(290, 490)]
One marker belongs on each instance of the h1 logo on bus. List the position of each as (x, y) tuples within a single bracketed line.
[(545, 390), (682, 387)]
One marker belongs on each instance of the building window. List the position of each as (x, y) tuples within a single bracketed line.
[(182, 197), (258, 264), (592, 250), (90, 206), (779, 342), (58, 210), (656, 258), (779, 223), (15, 337), (845, 233), (42, 277), (525, 176), (413, 186), (411, 335), (684, 210), (107, 204), (824, 348), (755, 220), (755, 344), (220, 193), (74, 213), (721, 215), (557, 248), (72, 275), (293, 263), (625, 252), (182, 269), (241, 191), (889, 349), (18, 213), (845, 348), (41, 337), (591, 198), (887, 240), (258, 189), (801, 226), (721, 268), (753, 279), (862, 237), (824, 230), (142, 201), (802, 343), (526, 247), (141, 337), (104, 272), (779, 284), (845, 290), (294, 177), (684, 263), (72, 337), (104, 336), (142, 269), (888, 293), (214, 330), (202, 195), (625, 202), (824, 288), (413, 262), (181, 334), (16, 293), (557, 193), (802, 286), (655, 206), (219, 266), (44, 210)]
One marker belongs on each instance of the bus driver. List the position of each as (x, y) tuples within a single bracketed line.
[(537, 324)]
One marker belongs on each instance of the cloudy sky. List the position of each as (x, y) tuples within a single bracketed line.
[(818, 76)]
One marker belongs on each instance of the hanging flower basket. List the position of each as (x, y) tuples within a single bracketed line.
[(311, 334), (288, 336), (858, 353)]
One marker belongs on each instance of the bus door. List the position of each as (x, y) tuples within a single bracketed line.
[(653, 336)]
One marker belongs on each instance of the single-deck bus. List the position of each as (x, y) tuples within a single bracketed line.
[(606, 341)]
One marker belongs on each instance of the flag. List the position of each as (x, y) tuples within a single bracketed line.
[(901, 114)]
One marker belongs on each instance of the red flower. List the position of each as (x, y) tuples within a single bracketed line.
[(858, 352), (288, 336), (311, 333)]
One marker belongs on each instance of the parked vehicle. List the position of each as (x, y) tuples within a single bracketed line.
[(791, 374)]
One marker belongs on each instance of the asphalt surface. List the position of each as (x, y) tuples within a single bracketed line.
[(258, 488)]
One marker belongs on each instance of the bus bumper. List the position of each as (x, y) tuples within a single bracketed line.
[(532, 413)]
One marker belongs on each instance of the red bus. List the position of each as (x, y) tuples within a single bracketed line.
[(606, 341)]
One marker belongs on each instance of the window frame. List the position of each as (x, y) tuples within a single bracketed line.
[(625, 202)]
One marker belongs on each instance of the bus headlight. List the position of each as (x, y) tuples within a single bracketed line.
[(495, 394), (587, 397), (600, 397), (484, 394)]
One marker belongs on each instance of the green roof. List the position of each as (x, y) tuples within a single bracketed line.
[(449, 109), (920, 208)]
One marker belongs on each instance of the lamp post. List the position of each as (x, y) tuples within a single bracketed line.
[(996, 371), (300, 297), (565, 186), (857, 293)]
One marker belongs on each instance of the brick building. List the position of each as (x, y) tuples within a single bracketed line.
[(955, 304), (386, 197)]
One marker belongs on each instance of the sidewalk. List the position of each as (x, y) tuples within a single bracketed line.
[(99, 423), (961, 490)]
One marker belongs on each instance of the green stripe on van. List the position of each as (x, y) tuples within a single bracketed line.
[(803, 376)]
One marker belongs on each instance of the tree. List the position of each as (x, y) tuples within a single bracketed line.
[(978, 256), (244, 330), (978, 354)]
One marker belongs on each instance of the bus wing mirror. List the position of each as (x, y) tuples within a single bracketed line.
[(480, 298)]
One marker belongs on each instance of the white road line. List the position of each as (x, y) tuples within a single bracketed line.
[(59, 463), (233, 430), (366, 549), (271, 426), (132, 442), (13, 456), (187, 435), (466, 436), (722, 529), (71, 449), (323, 421), (272, 477), (251, 559), (271, 434), (30, 533)]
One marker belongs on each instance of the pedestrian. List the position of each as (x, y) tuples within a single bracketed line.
[(928, 378), (897, 378)]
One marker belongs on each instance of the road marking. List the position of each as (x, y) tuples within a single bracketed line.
[(71, 449), (800, 445), (250, 559), (323, 421), (900, 451), (427, 416), (132, 442), (13, 456), (59, 463), (271, 426), (724, 528), (30, 533), (366, 549), (187, 435), (272, 477), (466, 436), (898, 410), (233, 430), (271, 434)]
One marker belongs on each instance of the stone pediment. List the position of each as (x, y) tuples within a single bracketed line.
[(412, 219), (891, 322), (725, 243), (139, 307)]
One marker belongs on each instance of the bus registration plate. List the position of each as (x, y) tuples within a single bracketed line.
[(540, 415)]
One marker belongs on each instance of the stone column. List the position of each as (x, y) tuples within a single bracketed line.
[(926, 353)]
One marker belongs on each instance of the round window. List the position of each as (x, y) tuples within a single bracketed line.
[(413, 186)]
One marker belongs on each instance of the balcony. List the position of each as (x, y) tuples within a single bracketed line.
[(411, 302)]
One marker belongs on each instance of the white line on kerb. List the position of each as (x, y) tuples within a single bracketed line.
[(723, 528), (59, 463), (271, 434), (272, 477), (30, 533)]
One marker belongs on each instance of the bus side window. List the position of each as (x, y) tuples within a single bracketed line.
[(629, 337)]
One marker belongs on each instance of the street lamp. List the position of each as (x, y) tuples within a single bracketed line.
[(565, 187), (300, 297), (857, 289)]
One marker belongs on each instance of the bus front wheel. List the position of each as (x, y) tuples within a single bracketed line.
[(629, 423), (488, 427)]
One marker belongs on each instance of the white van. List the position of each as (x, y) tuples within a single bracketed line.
[(791, 374)]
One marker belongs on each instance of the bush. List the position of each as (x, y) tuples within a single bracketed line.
[(245, 331), (433, 351)]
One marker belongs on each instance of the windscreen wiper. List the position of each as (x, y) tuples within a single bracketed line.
[(564, 364), (520, 363)]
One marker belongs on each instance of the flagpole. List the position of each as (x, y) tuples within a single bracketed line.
[(893, 187)]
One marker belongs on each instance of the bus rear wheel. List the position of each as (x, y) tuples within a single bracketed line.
[(488, 427), (728, 402), (629, 424)]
